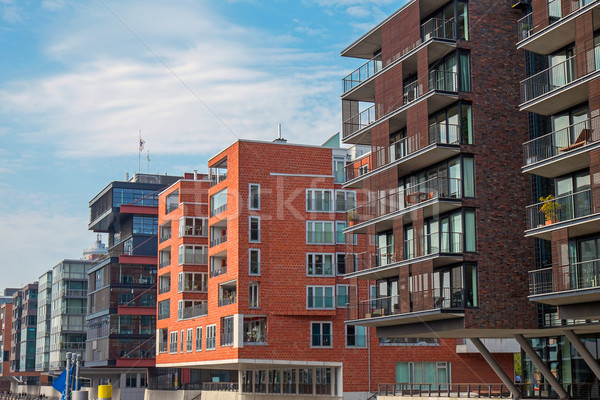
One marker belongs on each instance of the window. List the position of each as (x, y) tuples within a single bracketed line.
[(163, 339), (192, 226), (191, 308), (164, 284), (190, 340), (341, 263), (253, 295), (192, 282), (164, 232), (226, 331), (345, 200), (319, 232), (340, 238), (172, 201), (227, 293), (211, 337), (339, 164), (193, 255), (143, 380), (173, 343), (320, 333), (164, 257), (254, 262), (182, 341), (218, 202), (342, 295), (254, 229), (145, 225), (319, 296), (398, 341), (199, 338), (131, 380), (356, 336), (254, 196), (255, 330), (319, 200), (319, 264), (436, 373)]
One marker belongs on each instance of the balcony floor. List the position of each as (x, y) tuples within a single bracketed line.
[(577, 227), (562, 164)]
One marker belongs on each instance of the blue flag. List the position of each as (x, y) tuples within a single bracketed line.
[(60, 383)]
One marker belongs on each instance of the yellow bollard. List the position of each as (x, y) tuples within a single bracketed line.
[(105, 392)]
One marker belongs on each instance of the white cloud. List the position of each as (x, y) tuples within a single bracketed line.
[(115, 85), (53, 5), (9, 12)]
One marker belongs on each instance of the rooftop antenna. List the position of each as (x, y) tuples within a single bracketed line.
[(279, 138), (279, 131)]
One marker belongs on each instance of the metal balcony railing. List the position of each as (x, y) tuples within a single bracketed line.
[(562, 141), (560, 75), (359, 121), (400, 199), (560, 209), (525, 27), (362, 73), (164, 289), (220, 386), (438, 29), (439, 133), (217, 241), (218, 210), (193, 311), (217, 270), (575, 276), (446, 390), (443, 298)]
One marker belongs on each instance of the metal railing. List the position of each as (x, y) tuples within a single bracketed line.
[(164, 289), (562, 141), (560, 209), (225, 301), (400, 199), (193, 311), (439, 133), (525, 27), (439, 29), (575, 276), (443, 298), (217, 241), (217, 270), (220, 386), (560, 75), (362, 73), (359, 121), (475, 390)]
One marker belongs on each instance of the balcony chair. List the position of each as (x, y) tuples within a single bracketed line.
[(582, 139)]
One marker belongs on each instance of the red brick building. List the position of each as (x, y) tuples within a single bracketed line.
[(266, 309)]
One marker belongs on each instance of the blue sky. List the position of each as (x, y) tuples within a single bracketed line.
[(79, 79)]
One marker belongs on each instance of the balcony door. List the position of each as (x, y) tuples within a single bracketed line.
[(586, 272), (568, 127), (562, 68), (573, 196)]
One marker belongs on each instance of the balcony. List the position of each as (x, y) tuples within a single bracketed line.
[(443, 248), (434, 196), (563, 151), (560, 31), (227, 293), (442, 91), (562, 285), (448, 303), (575, 211), (195, 258), (217, 173), (562, 85), (194, 311), (217, 241), (362, 74), (406, 154)]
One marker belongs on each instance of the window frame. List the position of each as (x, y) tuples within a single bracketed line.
[(312, 208), (324, 298), (356, 346), (323, 232), (321, 324), (254, 291), (337, 295), (211, 337), (198, 338), (189, 342), (250, 218), (173, 343), (314, 274), (345, 193), (250, 185), (203, 230), (250, 251)]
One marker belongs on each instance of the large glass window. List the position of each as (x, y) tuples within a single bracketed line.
[(320, 296), (455, 287), (189, 254), (193, 226), (339, 163), (193, 282), (319, 200), (319, 232), (319, 264), (436, 373), (218, 202), (172, 201), (226, 331), (345, 200), (321, 335), (255, 330), (145, 225)]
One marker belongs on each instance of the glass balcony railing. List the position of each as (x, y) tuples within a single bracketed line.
[(560, 209), (218, 240), (226, 300), (217, 175), (575, 276), (400, 199), (439, 133), (359, 121), (193, 311), (562, 141), (217, 270), (560, 75), (362, 73), (200, 258)]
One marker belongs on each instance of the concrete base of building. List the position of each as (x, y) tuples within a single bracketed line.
[(35, 390)]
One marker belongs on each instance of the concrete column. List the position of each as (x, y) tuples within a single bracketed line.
[(542, 367), (497, 368), (585, 354)]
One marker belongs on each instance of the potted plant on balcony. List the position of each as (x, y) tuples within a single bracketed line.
[(550, 208), (352, 217)]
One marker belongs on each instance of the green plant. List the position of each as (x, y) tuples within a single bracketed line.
[(352, 216), (550, 208)]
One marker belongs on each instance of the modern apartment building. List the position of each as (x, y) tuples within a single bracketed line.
[(121, 300), (444, 196), (560, 98), (263, 309), (44, 316), (69, 308), (24, 320), (5, 344)]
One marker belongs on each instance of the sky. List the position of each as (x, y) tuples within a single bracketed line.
[(79, 79)]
